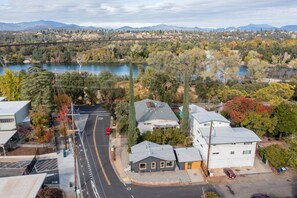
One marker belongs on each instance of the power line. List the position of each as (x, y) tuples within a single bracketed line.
[(77, 42)]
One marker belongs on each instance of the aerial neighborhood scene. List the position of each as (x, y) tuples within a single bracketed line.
[(143, 99)]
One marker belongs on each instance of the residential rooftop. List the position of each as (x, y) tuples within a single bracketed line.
[(2, 98), (188, 154), (208, 116), (5, 136), (25, 186), (147, 149), (194, 109), (11, 107), (153, 110), (228, 135)]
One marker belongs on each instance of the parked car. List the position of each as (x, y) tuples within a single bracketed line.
[(108, 131), (229, 173), (260, 196)]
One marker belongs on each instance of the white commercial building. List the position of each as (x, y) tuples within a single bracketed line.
[(13, 113), (230, 147)]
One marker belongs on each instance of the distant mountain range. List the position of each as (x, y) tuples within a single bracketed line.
[(44, 25)]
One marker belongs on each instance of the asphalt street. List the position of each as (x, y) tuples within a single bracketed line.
[(95, 166)]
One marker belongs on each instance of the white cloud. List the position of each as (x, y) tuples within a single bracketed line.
[(204, 13)]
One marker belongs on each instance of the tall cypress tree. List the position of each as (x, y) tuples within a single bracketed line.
[(185, 118), (132, 135)]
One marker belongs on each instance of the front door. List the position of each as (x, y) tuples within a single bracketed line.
[(189, 165)]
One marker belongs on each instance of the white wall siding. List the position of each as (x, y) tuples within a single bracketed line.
[(7, 126)]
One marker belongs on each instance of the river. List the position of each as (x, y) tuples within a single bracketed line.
[(120, 69)]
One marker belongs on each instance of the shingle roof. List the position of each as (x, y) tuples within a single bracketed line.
[(161, 111), (147, 149), (188, 154), (228, 135), (11, 107), (208, 116)]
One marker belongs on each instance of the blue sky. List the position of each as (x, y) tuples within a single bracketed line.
[(116, 13)]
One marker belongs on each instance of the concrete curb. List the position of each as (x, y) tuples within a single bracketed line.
[(175, 183)]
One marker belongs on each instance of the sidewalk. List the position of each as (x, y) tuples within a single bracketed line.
[(66, 173), (121, 166)]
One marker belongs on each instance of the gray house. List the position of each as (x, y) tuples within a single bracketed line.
[(151, 157), (188, 158), (152, 114)]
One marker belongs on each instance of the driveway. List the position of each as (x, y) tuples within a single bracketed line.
[(283, 185)]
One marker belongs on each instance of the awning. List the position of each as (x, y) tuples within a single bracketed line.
[(26, 186), (5, 136)]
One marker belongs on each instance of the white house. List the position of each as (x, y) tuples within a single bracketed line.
[(230, 147), (2, 99), (151, 114)]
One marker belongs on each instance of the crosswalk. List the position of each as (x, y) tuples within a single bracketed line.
[(40, 166)]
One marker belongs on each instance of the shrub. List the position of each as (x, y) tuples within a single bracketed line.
[(277, 155)]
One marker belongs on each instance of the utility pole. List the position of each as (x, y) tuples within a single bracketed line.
[(208, 152), (74, 149)]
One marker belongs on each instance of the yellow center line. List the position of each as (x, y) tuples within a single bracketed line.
[(99, 160)]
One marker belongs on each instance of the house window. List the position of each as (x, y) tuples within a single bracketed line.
[(198, 131), (6, 120), (201, 145), (162, 164), (147, 123), (153, 165), (232, 152), (247, 143), (169, 164), (215, 153), (233, 143), (142, 166), (246, 152), (197, 140)]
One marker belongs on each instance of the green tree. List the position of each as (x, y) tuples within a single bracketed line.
[(38, 87), (260, 123), (10, 85), (185, 118), (286, 114), (256, 66), (132, 134)]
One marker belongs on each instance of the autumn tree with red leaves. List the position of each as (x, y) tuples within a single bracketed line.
[(63, 119), (250, 113)]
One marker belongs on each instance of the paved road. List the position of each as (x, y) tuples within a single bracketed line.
[(106, 181)]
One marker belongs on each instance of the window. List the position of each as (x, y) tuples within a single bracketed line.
[(162, 164), (147, 123), (201, 145), (198, 131), (153, 165), (197, 140), (232, 152), (247, 143), (6, 120), (247, 152), (233, 143), (142, 166), (169, 164), (215, 153)]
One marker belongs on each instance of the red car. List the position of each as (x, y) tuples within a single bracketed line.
[(108, 131), (229, 173)]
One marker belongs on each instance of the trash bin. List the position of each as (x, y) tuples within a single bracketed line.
[(64, 153)]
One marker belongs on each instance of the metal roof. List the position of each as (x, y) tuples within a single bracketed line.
[(208, 116), (11, 107), (5, 136), (194, 109), (2, 98), (147, 149), (158, 111), (25, 186), (188, 154), (228, 135)]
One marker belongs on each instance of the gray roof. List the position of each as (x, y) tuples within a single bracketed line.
[(208, 116), (188, 154), (11, 107), (2, 98), (147, 149), (194, 109), (161, 111), (228, 135)]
